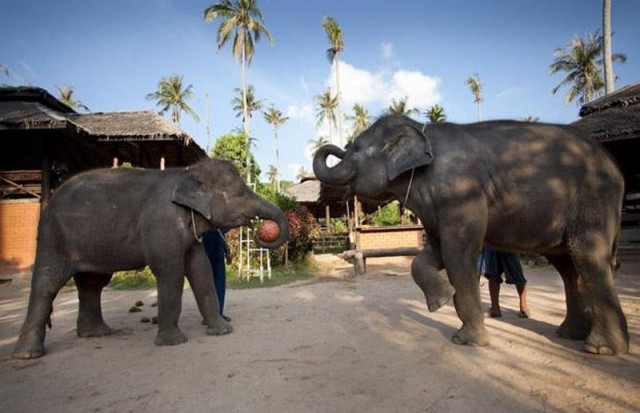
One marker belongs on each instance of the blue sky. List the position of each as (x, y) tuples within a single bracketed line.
[(114, 53)]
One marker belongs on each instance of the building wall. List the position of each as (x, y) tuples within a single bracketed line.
[(18, 233), (389, 237)]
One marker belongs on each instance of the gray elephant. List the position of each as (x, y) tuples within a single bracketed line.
[(110, 220), (515, 186)]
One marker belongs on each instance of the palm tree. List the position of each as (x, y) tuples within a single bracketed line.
[(326, 110), (272, 176), (399, 107), (531, 118), (302, 172), (245, 18), (476, 89), (318, 143), (252, 104), (435, 114), (334, 34), (4, 70), (172, 95), (582, 60), (361, 119), (274, 117), (65, 95), (606, 49)]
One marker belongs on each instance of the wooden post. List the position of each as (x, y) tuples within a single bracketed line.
[(45, 183), (327, 217), (162, 163), (115, 162)]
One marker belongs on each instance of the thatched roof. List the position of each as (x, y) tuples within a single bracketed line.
[(613, 117), (315, 195), (32, 119)]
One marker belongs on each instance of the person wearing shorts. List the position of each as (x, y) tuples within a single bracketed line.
[(493, 264)]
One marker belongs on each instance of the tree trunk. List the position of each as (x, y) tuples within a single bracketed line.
[(606, 50), (340, 141), (275, 128), (245, 116)]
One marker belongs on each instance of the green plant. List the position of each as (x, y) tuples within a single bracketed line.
[(387, 215), (132, 280)]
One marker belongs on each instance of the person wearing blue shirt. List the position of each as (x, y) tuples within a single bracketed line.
[(492, 265), (217, 249)]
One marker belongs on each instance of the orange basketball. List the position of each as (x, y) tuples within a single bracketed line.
[(268, 231)]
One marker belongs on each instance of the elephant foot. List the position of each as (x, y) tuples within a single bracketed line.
[(574, 330), (438, 295), (221, 328), (171, 338), (96, 330), (470, 337), (25, 351), (606, 344)]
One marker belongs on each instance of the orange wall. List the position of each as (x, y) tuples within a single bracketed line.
[(389, 237), (18, 233)]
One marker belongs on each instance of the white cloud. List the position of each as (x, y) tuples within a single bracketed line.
[(303, 111), (387, 50), (377, 89), (509, 92), (421, 90)]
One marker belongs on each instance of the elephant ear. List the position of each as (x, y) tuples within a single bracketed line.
[(189, 191), (407, 150)]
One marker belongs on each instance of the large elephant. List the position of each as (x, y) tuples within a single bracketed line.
[(109, 220), (515, 186)]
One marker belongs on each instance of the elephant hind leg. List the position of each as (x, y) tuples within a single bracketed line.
[(46, 281), (90, 322), (609, 334), (577, 323)]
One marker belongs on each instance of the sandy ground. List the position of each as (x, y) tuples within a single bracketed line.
[(327, 345)]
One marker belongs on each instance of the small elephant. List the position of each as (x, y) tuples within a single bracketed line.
[(515, 186), (108, 220)]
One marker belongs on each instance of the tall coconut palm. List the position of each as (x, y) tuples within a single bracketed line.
[(435, 114), (172, 95), (326, 106), (65, 95), (318, 143), (334, 34), (245, 19), (272, 177), (582, 60), (476, 89), (274, 117), (245, 103), (361, 119), (606, 47), (400, 107), (302, 173)]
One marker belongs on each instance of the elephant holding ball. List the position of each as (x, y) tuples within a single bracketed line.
[(108, 220)]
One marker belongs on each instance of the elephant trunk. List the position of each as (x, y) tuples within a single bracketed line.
[(341, 174), (269, 211)]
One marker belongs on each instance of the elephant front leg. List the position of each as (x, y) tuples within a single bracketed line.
[(90, 322), (170, 285), (463, 274), (200, 278), (425, 270), (45, 284)]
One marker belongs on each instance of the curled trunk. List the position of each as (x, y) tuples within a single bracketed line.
[(272, 212), (341, 174)]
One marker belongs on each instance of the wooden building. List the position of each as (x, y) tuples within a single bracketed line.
[(43, 142)]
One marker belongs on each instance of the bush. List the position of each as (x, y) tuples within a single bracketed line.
[(131, 280), (387, 215)]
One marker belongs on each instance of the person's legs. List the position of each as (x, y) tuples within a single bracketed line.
[(494, 293), (515, 275)]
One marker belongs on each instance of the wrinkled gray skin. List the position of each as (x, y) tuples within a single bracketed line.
[(123, 219), (526, 187)]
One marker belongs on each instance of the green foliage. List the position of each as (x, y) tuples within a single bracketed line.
[(338, 226), (387, 215), (231, 147), (298, 271), (132, 280), (281, 200)]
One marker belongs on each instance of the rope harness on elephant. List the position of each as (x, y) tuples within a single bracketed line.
[(413, 171), (193, 225)]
